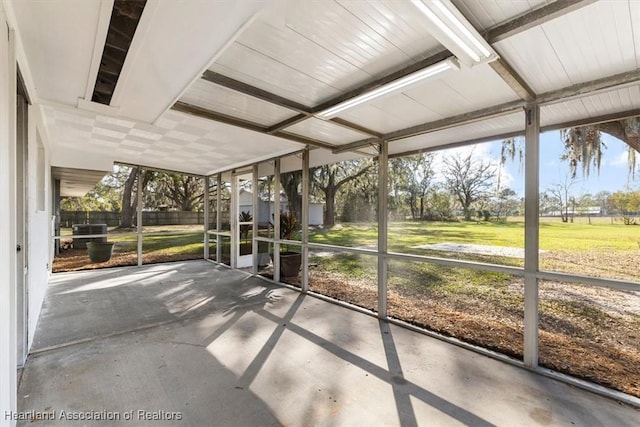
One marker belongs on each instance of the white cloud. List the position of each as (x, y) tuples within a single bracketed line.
[(621, 160)]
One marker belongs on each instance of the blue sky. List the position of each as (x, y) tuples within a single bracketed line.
[(612, 177)]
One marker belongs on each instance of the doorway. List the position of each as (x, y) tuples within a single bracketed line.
[(244, 217), (22, 266)]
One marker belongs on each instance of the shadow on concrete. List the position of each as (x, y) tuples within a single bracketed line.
[(402, 388), (84, 306)]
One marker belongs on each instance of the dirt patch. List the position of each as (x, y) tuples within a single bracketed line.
[(614, 264), (604, 351)]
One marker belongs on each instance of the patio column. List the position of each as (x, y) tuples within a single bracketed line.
[(304, 282), (276, 223), (218, 218), (233, 220), (139, 216), (531, 233), (383, 193), (254, 226), (206, 218)]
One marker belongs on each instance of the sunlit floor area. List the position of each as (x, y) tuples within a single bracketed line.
[(196, 344)]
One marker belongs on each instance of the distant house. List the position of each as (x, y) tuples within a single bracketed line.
[(589, 210), (266, 208), (578, 211)]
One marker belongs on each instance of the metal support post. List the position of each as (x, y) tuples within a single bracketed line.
[(276, 223), (206, 217), (218, 218), (531, 234), (139, 216), (306, 178), (233, 222), (254, 226), (383, 193)]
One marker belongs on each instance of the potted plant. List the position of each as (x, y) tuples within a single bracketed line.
[(290, 261), (100, 251)]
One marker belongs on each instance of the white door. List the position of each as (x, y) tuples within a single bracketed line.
[(244, 217), (21, 230)]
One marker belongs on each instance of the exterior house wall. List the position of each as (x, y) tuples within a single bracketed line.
[(8, 302), (40, 223), (37, 214)]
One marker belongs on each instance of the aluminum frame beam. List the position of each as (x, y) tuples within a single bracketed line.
[(383, 216), (501, 67), (531, 234)]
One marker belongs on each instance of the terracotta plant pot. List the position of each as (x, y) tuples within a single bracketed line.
[(100, 251)]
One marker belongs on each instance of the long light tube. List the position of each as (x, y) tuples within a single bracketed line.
[(464, 30), (389, 88), (455, 32)]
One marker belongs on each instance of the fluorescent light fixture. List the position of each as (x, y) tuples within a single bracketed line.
[(457, 34), (391, 87)]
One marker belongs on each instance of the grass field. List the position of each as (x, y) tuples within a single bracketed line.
[(585, 331)]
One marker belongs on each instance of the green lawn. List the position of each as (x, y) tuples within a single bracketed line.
[(162, 244), (570, 246), (554, 234), (602, 248)]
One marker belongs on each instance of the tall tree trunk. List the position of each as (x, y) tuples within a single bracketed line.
[(330, 207), (128, 209), (467, 212)]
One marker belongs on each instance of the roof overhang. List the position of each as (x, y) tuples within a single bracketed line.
[(200, 101)]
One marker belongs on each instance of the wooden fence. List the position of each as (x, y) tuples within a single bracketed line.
[(112, 219)]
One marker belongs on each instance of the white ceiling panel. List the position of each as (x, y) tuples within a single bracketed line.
[(463, 91), (58, 38), (174, 42), (592, 106), (592, 42), (532, 55), (513, 122), (326, 131), (397, 22), (342, 32), (484, 14), (310, 51), (226, 101), (455, 93), (244, 64), (179, 142), (390, 114), (288, 46)]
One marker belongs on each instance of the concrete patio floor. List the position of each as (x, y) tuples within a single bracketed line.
[(216, 347)]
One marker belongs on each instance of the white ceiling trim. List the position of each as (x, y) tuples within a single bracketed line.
[(21, 56), (213, 59), (106, 7)]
